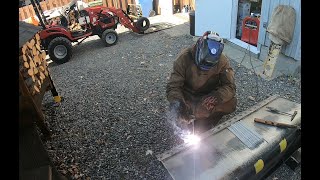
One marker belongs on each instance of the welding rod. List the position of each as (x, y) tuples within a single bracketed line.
[(274, 123)]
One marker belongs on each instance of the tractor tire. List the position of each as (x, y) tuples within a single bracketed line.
[(109, 37), (139, 24), (60, 50)]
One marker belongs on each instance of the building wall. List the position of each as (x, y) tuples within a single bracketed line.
[(292, 50)]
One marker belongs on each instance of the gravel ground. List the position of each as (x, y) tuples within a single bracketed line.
[(111, 123)]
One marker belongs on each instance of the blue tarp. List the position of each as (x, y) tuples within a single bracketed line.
[(146, 6)]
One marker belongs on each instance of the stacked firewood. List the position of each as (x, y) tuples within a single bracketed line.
[(73, 24), (33, 64)]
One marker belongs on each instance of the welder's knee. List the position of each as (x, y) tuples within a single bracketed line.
[(227, 107)]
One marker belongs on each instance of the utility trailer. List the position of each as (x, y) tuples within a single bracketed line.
[(240, 148)]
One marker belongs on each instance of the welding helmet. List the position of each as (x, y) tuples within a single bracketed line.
[(208, 50)]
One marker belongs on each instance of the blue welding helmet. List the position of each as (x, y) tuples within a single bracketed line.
[(208, 50)]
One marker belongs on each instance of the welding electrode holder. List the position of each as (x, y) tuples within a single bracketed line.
[(191, 119)]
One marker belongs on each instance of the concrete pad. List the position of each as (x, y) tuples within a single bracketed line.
[(245, 58)]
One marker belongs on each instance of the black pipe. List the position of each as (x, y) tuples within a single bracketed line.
[(53, 90), (40, 9), (38, 14)]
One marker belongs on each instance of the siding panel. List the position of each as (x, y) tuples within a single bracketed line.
[(292, 50)]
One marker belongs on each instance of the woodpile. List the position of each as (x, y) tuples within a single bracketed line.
[(33, 64), (73, 25)]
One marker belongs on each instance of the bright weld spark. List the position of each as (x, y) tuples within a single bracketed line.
[(191, 139)]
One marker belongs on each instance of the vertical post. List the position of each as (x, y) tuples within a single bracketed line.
[(40, 10), (271, 59), (36, 10), (54, 92)]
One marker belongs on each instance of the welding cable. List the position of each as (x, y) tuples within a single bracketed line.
[(248, 51), (245, 53), (256, 75), (239, 65)]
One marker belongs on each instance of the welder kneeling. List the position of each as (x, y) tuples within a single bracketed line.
[(201, 86)]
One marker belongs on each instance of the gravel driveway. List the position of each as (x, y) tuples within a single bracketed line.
[(111, 123)]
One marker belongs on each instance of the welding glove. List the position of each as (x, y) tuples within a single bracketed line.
[(205, 107), (209, 102), (183, 112)]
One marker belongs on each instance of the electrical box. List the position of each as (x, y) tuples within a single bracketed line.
[(250, 30)]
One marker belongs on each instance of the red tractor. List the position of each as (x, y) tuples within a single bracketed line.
[(76, 24)]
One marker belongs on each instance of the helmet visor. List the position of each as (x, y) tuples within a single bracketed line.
[(209, 53)]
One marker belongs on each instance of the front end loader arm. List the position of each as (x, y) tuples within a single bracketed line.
[(124, 19)]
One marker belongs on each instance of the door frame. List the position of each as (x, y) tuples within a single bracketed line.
[(233, 39), (218, 21)]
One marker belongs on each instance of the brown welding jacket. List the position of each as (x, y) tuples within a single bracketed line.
[(190, 84)]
